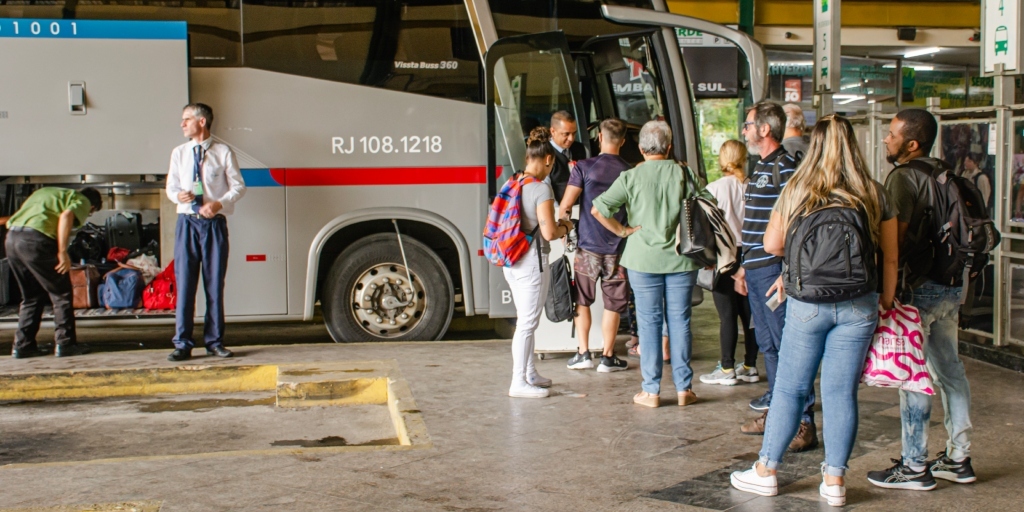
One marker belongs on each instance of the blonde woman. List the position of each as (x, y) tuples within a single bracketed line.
[(834, 335), (728, 191)]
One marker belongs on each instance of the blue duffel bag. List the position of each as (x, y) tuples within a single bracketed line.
[(121, 288)]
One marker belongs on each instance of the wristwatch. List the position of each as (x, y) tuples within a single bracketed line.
[(622, 234)]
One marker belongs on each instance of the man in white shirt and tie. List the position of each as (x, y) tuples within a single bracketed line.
[(205, 182)]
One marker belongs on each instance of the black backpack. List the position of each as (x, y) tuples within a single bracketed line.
[(956, 229), (561, 300), (830, 256)]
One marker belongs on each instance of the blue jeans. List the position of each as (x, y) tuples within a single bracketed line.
[(836, 337), (768, 326), (939, 306), (661, 297)]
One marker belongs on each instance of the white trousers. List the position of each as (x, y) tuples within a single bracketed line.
[(529, 288)]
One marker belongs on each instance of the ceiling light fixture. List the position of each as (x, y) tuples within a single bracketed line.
[(923, 51)]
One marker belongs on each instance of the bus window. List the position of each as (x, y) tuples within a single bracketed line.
[(213, 27), (418, 46), (637, 89)]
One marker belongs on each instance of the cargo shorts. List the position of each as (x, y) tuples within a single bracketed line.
[(588, 268)]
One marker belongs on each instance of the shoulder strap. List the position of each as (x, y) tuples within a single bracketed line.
[(776, 173)]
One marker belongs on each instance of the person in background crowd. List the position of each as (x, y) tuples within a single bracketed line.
[(834, 336), (763, 130), (37, 250), (728, 191), (598, 252), (911, 136), (567, 149), (793, 139), (205, 182), (971, 171), (529, 278), (662, 280)]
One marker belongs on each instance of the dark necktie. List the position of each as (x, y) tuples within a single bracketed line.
[(197, 176), (567, 153)]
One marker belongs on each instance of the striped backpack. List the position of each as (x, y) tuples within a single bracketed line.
[(504, 241)]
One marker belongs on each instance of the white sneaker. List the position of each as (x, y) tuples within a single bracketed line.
[(537, 380), (524, 390), (750, 481), (835, 495), (720, 376), (746, 373)]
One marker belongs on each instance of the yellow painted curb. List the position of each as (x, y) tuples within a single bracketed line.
[(181, 380), (296, 385)]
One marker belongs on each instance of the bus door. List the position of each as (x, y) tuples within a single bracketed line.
[(527, 78), (679, 106), (623, 80)]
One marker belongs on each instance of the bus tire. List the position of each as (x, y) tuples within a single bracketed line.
[(368, 277)]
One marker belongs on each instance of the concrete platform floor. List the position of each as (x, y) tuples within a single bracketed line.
[(586, 448)]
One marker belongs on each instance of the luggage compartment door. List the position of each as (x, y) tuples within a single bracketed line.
[(90, 96)]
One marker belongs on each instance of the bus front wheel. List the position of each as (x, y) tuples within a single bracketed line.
[(369, 295)]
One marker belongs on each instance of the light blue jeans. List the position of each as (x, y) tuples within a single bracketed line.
[(660, 298), (836, 337), (939, 306)]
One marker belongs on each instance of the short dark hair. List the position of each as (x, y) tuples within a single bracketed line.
[(771, 114), (919, 125), (202, 110), (563, 115), (614, 129), (93, 196)]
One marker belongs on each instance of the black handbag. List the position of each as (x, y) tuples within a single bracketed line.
[(695, 236), (707, 279)]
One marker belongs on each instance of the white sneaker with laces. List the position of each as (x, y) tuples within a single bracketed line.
[(746, 373), (750, 481), (835, 495), (524, 390)]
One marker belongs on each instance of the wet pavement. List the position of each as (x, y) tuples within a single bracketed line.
[(585, 448)]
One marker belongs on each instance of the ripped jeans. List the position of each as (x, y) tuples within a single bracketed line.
[(939, 306)]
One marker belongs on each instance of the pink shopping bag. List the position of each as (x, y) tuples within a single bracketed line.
[(896, 356)]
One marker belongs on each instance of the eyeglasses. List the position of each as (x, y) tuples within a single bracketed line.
[(748, 123)]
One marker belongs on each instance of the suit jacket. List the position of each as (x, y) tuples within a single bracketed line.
[(560, 171)]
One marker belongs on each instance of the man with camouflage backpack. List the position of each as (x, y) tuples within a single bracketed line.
[(936, 209)]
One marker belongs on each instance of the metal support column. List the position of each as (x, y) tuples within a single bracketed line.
[(1003, 98)]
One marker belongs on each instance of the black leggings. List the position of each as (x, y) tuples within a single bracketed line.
[(732, 306)]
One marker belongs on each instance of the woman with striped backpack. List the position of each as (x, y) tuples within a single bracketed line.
[(524, 208)]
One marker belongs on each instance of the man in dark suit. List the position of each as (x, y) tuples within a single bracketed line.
[(563, 138)]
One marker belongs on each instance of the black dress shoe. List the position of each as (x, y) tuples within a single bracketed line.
[(219, 351), (72, 349), (180, 354), (29, 351)]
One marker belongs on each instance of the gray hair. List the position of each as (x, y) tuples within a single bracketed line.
[(655, 138), (202, 110), (795, 116), (771, 114)]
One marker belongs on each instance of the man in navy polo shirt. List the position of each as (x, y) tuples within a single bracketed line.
[(599, 250)]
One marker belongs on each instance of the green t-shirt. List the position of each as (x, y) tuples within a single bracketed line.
[(653, 194), (42, 210)]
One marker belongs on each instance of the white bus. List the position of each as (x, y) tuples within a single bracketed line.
[(372, 133)]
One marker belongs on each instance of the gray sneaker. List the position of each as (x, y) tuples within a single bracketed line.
[(581, 361), (720, 376), (746, 373)]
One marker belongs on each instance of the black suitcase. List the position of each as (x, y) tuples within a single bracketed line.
[(124, 229)]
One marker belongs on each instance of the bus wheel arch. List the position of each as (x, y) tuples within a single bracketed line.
[(433, 248)]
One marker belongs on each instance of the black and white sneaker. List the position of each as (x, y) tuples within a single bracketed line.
[(580, 361), (948, 469), (611, 364), (902, 477)]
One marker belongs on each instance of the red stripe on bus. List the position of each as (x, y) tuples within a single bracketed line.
[(255, 257), (472, 175)]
